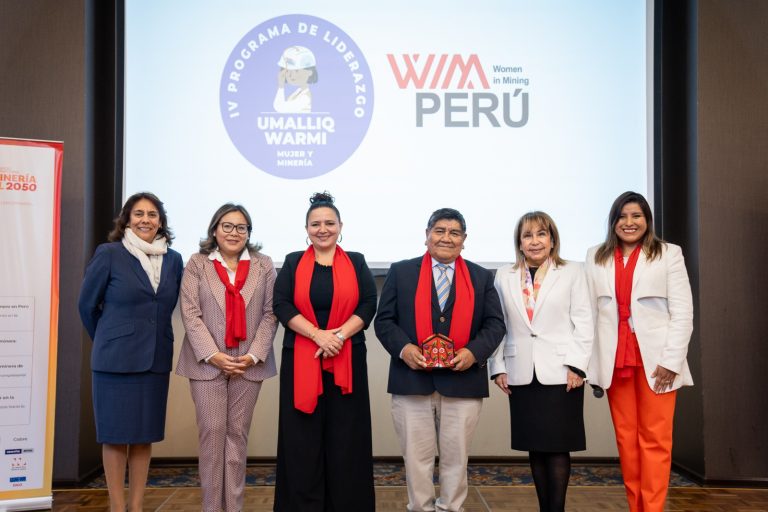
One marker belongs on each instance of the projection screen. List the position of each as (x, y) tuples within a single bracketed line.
[(397, 108)]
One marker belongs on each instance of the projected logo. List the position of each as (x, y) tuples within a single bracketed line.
[(296, 96), (502, 101)]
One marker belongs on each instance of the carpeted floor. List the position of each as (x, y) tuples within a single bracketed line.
[(393, 474)]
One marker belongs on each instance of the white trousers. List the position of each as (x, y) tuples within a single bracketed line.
[(428, 425)]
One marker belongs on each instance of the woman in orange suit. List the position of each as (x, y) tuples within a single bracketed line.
[(641, 299)]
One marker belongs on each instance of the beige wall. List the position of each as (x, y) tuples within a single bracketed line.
[(491, 440)]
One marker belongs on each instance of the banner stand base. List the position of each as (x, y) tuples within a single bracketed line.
[(41, 503)]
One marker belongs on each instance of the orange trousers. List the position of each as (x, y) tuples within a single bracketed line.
[(643, 424)]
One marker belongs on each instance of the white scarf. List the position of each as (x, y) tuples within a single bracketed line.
[(149, 255)]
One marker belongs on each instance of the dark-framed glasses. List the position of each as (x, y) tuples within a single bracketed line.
[(227, 227)]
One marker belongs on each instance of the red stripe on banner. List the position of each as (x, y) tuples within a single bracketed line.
[(53, 340)]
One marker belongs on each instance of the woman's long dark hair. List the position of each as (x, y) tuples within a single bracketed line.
[(652, 245)]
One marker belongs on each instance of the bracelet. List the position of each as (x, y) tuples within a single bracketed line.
[(314, 333), (340, 336)]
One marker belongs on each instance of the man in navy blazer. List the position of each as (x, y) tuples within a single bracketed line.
[(451, 398)]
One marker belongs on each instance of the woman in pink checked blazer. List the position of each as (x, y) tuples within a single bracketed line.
[(226, 307)]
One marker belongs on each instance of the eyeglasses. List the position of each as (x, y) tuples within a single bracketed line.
[(242, 229)]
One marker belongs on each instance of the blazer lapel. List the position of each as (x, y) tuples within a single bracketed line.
[(642, 263), (610, 275), (249, 288), (141, 275), (217, 287), (549, 281), (516, 293), (164, 272)]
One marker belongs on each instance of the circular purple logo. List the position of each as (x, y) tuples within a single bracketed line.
[(296, 96)]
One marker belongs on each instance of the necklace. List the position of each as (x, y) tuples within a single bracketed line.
[(231, 265)]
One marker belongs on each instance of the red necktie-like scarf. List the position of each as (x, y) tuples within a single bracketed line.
[(235, 305), (307, 378), (627, 350), (463, 307)]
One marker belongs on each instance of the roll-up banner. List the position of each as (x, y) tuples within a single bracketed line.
[(30, 179)]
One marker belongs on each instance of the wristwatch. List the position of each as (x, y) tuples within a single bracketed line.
[(340, 336)]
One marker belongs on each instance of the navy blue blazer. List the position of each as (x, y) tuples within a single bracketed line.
[(395, 326), (129, 323)]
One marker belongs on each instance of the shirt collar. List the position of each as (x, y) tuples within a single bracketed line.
[(216, 255), (451, 265)]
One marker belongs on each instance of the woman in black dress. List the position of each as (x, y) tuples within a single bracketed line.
[(325, 297), (127, 298), (542, 361)]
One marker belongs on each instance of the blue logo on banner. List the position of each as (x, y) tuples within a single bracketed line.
[(296, 96), (14, 451), (17, 479)]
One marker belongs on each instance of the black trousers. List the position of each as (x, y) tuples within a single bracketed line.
[(324, 459)]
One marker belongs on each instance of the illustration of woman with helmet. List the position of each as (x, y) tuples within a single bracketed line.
[(297, 68)]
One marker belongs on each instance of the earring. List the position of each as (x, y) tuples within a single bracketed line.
[(339, 240), (308, 242)]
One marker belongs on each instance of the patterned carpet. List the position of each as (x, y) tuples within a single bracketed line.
[(393, 474)]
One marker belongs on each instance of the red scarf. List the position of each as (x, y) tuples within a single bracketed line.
[(307, 377), (463, 307), (627, 350), (235, 305)]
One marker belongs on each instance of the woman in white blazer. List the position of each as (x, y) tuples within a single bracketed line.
[(643, 310), (542, 361)]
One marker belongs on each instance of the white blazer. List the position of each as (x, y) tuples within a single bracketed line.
[(560, 334), (662, 316)]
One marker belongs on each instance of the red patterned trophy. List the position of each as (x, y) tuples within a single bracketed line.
[(438, 351)]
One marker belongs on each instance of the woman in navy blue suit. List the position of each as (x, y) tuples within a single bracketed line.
[(127, 298)]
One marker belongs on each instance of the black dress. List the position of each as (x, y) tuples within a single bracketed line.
[(324, 459)]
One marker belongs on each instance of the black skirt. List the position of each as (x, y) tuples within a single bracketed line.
[(547, 418)]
